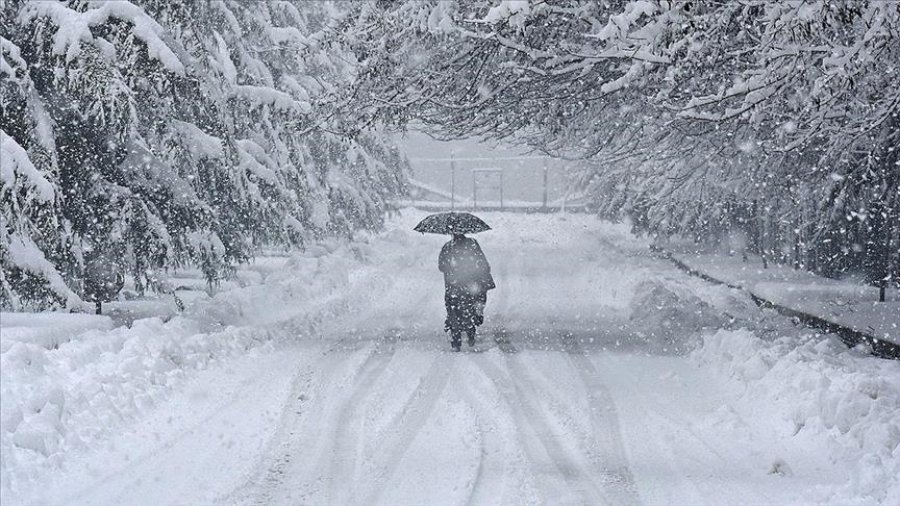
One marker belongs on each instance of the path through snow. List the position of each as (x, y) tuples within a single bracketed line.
[(581, 390)]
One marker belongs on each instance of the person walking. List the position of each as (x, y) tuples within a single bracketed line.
[(467, 279)]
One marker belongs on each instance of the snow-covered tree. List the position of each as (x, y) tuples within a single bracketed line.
[(768, 116), (175, 133), (36, 241)]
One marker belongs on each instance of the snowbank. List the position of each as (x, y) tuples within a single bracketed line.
[(815, 393), (844, 303), (670, 318), (47, 330), (69, 381)]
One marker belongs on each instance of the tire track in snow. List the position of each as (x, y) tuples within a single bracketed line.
[(608, 455), (500, 451), (347, 435), (308, 412), (478, 483), (561, 478), (130, 476), (408, 421), (571, 456), (270, 471)]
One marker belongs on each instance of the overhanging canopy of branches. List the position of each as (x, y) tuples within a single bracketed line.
[(681, 110)]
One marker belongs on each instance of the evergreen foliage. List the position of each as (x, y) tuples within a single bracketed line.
[(165, 134)]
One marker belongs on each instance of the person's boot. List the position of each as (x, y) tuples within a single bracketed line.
[(471, 333), (455, 340)]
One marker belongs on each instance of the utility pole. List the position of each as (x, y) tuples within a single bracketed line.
[(474, 192), (452, 181), (545, 187), (501, 190)]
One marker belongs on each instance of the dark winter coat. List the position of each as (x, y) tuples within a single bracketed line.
[(465, 266), (467, 278)]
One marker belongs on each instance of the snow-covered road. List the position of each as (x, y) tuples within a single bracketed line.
[(588, 385), (396, 422)]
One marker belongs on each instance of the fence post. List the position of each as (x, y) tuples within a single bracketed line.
[(452, 182), (545, 188), (501, 190)]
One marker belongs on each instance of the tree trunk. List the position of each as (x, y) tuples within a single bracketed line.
[(876, 258)]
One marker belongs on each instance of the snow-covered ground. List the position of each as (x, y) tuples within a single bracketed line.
[(603, 375), (847, 303)]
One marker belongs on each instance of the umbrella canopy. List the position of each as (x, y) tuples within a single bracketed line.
[(452, 223)]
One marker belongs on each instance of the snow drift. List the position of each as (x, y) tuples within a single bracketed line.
[(815, 391)]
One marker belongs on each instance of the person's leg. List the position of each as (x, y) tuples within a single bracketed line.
[(455, 339), (467, 311), (480, 302), (471, 335), (454, 303)]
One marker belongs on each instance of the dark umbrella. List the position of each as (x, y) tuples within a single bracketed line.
[(452, 223)]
